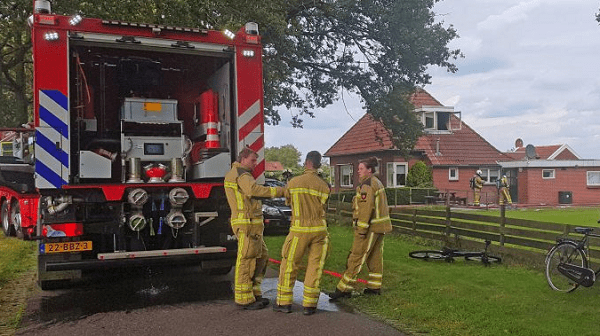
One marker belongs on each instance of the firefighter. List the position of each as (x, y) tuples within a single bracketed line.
[(307, 194), (371, 223), (476, 185), (247, 223), (504, 194)]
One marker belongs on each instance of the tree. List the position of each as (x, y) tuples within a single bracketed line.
[(314, 50), (419, 176), (288, 155), (15, 63)]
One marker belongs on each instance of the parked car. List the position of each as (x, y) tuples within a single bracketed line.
[(276, 213)]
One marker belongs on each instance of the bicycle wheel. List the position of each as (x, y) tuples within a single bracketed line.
[(487, 260), (563, 253), (426, 255)]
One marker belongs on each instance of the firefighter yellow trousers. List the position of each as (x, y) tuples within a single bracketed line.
[(365, 249), (250, 267), (296, 245), (477, 196), (504, 196)]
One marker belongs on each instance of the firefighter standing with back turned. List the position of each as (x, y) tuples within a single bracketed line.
[(504, 194), (372, 222), (247, 224), (477, 184), (307, 194)]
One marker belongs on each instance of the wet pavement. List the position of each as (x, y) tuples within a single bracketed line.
[(184, 301)]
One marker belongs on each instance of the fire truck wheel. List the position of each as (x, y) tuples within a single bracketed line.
[(7, 227), (15, 218)]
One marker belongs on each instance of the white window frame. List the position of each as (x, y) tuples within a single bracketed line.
[(552, 174), (391, 168), (455, 177), (350, 177), (596, 180), (486, 176)]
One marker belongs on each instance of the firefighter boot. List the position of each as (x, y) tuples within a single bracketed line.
[(372, 291), (338, 294), (254, 305), (309, 310), (282, 308), (264, 301)]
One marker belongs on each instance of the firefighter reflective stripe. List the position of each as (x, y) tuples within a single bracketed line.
[(273, 192), (362, 224), (307, 229), (246, 221), (52, 140), (322, 195), (286, 287), (377, 195), (374, 280), (238, 196), (379, 220)]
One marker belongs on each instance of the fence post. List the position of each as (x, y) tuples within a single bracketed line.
[(502, 224), (448, 220), (414, 220)]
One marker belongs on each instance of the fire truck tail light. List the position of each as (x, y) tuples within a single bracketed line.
[(248, 53), (229, 34), (75, 20), (63, 230), (51, 36), (47, 19)]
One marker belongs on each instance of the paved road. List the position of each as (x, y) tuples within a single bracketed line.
[(183, 302)]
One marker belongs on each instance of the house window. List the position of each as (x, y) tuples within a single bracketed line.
[(489, 175), (346, 177), (549, 174), (593, 178), (429, 120), (453, 174), (396, 174)]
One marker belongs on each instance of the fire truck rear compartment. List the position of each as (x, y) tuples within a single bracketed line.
[(114, 97)]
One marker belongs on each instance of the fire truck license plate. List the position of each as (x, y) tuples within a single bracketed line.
[(66, 247)]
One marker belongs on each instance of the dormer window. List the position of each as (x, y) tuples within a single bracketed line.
[(438, 119)]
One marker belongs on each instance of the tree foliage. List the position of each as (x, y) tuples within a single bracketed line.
[(288, 155), (313, 49), (419, 176)]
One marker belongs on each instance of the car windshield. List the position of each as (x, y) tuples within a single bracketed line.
[(274, 183)]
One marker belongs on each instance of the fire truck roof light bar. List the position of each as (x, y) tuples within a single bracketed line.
[(229, 34), (75, 20), (155, 26)]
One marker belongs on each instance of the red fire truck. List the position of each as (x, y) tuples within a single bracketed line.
[(136, 126)]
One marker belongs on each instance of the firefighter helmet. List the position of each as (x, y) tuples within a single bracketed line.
[(479, 172)]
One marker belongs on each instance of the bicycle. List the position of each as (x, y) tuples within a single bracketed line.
[(448, 255), (567, 262)]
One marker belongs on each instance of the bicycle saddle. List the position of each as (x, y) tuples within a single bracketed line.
[(583, 230)]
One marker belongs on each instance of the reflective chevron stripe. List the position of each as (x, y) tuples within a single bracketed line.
[(52, 140)]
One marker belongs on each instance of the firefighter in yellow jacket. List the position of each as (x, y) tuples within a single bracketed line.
[(247, 223), (477, 186), (504, 194), (307, 194), (372, 222)]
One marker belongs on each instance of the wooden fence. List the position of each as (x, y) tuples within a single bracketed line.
[(518, 240)]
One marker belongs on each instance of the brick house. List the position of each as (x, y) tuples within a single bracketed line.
[(552, 175), (452, 149)]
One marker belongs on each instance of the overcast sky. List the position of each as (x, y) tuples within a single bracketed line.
[(531, 71)]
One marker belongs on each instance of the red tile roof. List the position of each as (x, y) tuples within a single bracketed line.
[(545, 152), (460, 147)]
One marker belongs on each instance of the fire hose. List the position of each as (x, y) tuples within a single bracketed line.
[(335, 274)]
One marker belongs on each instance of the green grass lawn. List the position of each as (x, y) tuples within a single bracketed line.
[(461, 298), (16, 258), (581, 216)]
